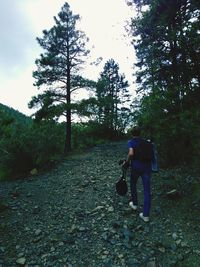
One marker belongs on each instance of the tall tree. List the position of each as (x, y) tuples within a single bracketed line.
[(112, 94), (166, 39), (166, 45), (57, 68)]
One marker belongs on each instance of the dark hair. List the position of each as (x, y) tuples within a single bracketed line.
[(135, 131)]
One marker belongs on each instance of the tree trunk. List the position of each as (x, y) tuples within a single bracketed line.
[(68, 147), (68, 132), (175, 85)]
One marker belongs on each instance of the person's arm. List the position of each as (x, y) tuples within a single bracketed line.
[(129, 157), (130, 154)]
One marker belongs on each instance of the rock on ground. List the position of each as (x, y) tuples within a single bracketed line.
[(72, 216)]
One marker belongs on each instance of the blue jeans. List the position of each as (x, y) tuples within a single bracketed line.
[(146, 180)]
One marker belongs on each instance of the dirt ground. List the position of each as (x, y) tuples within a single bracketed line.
[(73, 217)]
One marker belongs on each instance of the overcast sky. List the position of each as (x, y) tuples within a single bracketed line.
[(21, 21)]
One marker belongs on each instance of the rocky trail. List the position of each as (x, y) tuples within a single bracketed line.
[(72, 217)]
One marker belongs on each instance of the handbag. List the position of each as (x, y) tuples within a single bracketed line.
[(121, 185)]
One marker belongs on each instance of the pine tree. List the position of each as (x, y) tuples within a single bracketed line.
[(112, 94), (58, 68), (166, 39)]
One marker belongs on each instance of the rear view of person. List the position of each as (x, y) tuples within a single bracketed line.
[(140, 155)]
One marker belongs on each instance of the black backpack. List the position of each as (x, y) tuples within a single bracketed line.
[(144, 151)]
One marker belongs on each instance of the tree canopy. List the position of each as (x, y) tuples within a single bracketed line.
[(166, 38)]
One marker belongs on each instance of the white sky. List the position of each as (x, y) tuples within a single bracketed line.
[(21, 21)]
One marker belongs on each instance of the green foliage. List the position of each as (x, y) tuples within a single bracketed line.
[(109, 106), (25, 146), (92, 133), (112, 97), (7, 114), (29, 148), (39, 145), (58, 68), (166, 40), (45, 142)]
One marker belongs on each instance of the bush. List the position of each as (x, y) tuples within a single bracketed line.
[(25, 148), (30, 145), (91, 133)]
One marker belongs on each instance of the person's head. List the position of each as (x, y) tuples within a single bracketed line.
[(135, 131)]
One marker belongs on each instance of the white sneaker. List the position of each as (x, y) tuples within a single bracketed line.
[(145, 219), (134, 207)]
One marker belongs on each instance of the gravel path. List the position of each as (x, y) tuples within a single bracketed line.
[(73, 217)]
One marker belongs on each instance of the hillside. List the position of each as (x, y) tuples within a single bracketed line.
[(18, 116), (72, 216)]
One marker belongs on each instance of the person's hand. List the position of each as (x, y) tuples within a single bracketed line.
[(125, 164)]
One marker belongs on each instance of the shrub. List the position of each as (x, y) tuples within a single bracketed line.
[(25, 148)]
